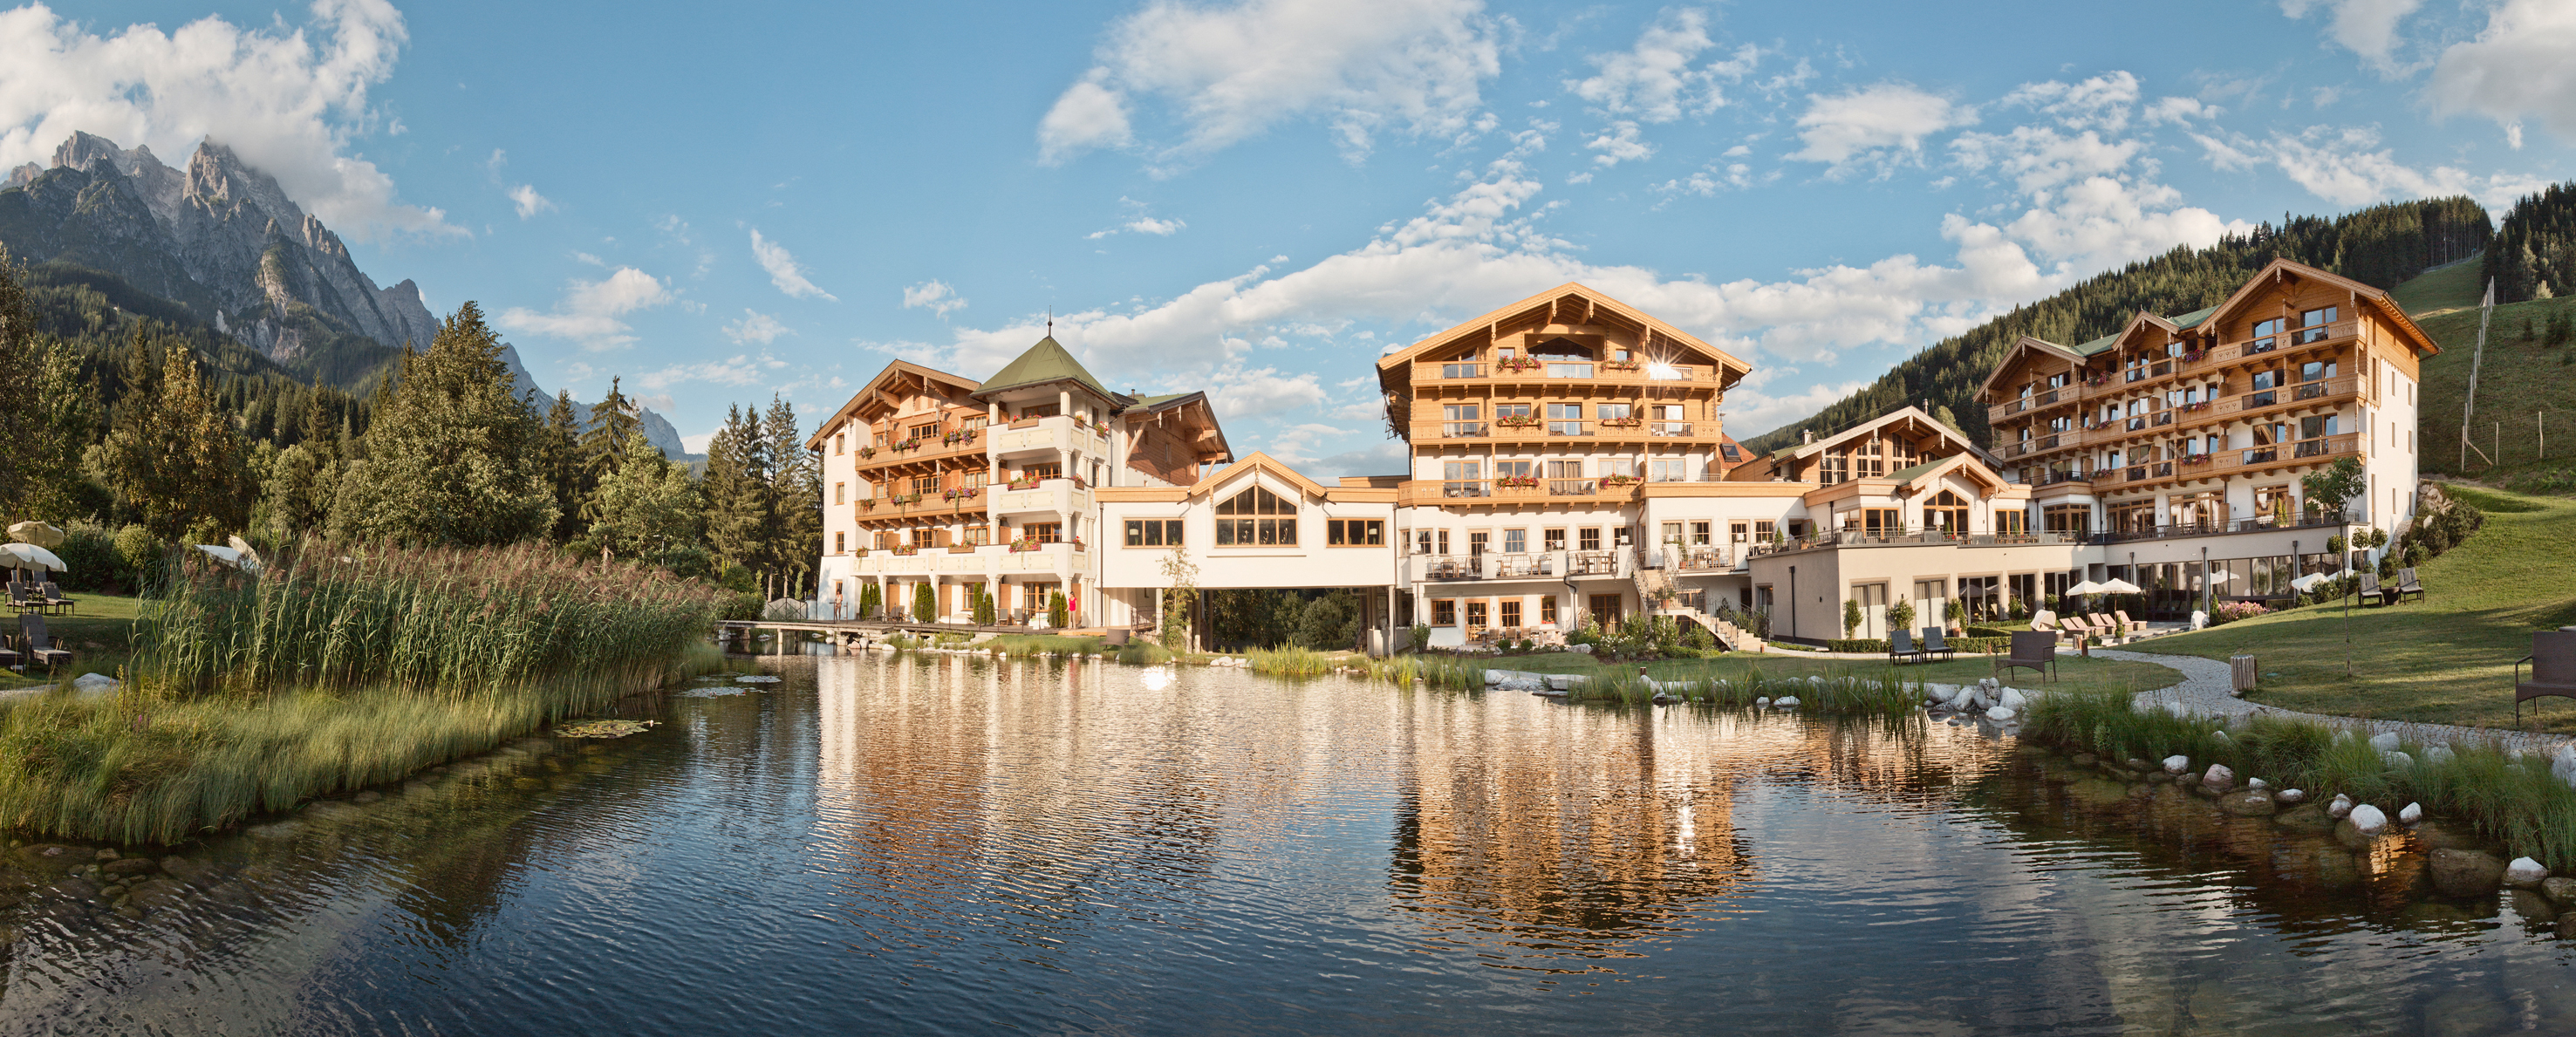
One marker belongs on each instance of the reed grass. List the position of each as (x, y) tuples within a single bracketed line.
[(1043, 644), (334, 669), (1745, 685), (2514, 801), (1289, 662), (1144, 653)]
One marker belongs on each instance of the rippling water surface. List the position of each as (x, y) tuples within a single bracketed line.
[(950, 845)]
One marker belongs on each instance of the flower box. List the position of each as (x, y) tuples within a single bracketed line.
[(866, 452), (954, 438), (1026, 544), (906, 549), (1025, 484), (965, 493), (906, 444), (867, 503), (1518, 421), (1517, 482), (1619, 480), (1620, 365), (1622, 422), (1519, 363)]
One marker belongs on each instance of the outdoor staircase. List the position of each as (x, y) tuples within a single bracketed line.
[(1655, 584)]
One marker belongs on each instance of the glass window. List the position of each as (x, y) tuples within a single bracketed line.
[(1547, 609), (2313, 324), (1610, 411), (2266, 336), (1444, 613), (1553, 540), (1235, 531), (1565, 419), (1511, 612), (1668, 470), (1590, 539), (1515, 541)]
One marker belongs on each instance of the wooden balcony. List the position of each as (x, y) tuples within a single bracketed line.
[(1570, 374), (1583, 431), (2153, 375), (907, 454), (1472, 493), (935, 508), (2237, 461), (2183, 420)]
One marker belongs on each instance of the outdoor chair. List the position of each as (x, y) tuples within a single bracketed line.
[(2111, 627), (2134, 626), (2370, 588), (56, 604), (2553, 671), (22, 596), (2076, 629), (1900, 646), (2031, 650), (1933, 644), (2405, 585), (36, 645)]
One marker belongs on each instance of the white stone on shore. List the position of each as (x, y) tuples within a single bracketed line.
[(2000, 713), (1989, 682), (2257, 784), (2290, 795), (2410, 813), (2219, 776), (2563, 764), (2524, 872), (1763, 700), (1940, 691), (2013, 699), (2437, 753), (1786, 702), (2177, 765), (2341, 806), (2369, 819), (2221, 735), (2384, 742), (94, 684)]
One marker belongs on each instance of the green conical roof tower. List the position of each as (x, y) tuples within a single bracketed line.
[(1048, 361)]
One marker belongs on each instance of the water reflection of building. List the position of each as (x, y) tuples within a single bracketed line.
[(1614, 828)]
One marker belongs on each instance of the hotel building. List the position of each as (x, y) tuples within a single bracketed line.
[(1567, 460)]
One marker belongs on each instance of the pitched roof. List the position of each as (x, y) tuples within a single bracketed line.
[(1257, 462), (1908, 474), (1048, 361)]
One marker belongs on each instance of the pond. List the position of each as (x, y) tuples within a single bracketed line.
[(950, 844)]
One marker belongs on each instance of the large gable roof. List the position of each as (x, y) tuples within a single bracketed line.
[(1571, 303), (1047, 361), (896, 373)]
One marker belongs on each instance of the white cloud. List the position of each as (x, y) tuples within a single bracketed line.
[(783, 270), (1863, 125), (1241, 392), (1140, 222), (697, 444), (589, 311), (1229, 72), (2523, 65), (528, 202), (2039, 157), (1653, 81), (738, 370), (2179, 111), (2103, 102), (1088, 116), (2364, 27), (2349, 167), (1156, 227), (1619, 144), (756, 326), (937, 296), (290, 101), (1297, 444), (1709, 181)]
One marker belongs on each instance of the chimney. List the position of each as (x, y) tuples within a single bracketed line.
[(1806, 437)]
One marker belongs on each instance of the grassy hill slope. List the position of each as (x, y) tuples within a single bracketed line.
[(2445, 659), (2522, 375)]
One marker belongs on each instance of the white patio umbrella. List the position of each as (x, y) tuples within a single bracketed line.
[(226, 555), (2086, 587), (2309, 582), (2121, 587), (41, 534), (28, 556)]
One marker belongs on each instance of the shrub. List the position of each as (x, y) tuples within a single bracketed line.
[(94, 563), (1057, 616), (871, 599), (1851, 616), (1420, 636), (925, 602), (1900, 616), (983, 604), (2231, 611), (739, 605)]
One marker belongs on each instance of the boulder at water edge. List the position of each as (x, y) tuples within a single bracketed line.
[(2524, 873), (2000, 713), (2257, 784), (2246, 804), (2341, 807), (2290, 795), (1762, 701), (2410, 813), (2560, 891), (2465, 873), (2368, 819), (2013, 699), (1786, 702), (2219, 778), (2562, 765), (94, 684), (2396, 760), (2177, 764), (2384, 742), (2437, 754)]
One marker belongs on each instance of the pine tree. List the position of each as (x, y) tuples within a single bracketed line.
[(796, 490), (172, 458), (561, 456), (603, 444), (742, 511), (449, 455), (649, 511), (45, 433)]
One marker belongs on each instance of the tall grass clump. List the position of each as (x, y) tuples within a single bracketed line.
[(1144, 653), (334, 668), (1288, 662), (1043, 644), (2515, 801)]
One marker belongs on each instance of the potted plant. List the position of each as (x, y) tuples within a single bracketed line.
[(1900, 616), (867, 452), (1517, 482), (1851, 617), (1029, 483), (1517, 421), (1618, 480), (1955, 613), (867, 503)]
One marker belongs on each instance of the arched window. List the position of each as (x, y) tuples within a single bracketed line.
[(1256, 518), (1946, 511)]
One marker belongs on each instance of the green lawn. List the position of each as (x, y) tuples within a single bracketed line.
[(2520, 377), (2453, 287), (2073, 671), (2446, 659), (95, 633)]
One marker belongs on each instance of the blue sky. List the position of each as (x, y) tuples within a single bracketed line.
[(1257, 198)]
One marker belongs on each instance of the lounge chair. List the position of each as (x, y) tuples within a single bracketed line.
[(24, 596), (1934, 645), (1900, 646), (2405, 585), (2077, 629), (2134, 626), (2553, 671), (2370, 588), (37, 646), (56, 604), (2031, 650)]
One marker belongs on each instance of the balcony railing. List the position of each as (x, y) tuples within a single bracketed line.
[(1573, 487), (1462, 430), (1669, 428), (1453, 567), (1465, 488), (1518, 565), (1701, 559), (2264, 524), (1592, 563)]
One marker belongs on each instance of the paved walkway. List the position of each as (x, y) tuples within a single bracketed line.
[(2205, 686)]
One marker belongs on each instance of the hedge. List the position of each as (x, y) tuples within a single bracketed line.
[(1963, 645)]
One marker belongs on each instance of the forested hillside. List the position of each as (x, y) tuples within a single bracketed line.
[(2381, 246), (2535, 247)]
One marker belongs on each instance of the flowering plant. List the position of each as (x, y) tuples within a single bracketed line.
[(907, 549), (1030, 483), (1525, 481), (906, 444), (1517, 421), (866, 503), (1619, 480), (959, 436), (1620, 365), (867, 452), (1519, 363), (961, 493), (1622, 422)]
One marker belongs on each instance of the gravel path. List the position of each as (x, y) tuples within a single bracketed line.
[(2205, 685)]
